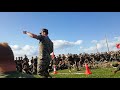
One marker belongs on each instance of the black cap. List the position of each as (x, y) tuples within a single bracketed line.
[(44, 30)]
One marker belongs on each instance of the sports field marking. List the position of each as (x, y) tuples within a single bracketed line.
[(69, 73)]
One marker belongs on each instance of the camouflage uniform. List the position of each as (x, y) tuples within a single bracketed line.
[(118, 69), (19, 65), (70, 59), (35, 65), (46, 47), (25, 66), (31, 66)]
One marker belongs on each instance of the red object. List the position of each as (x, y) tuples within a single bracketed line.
[(87, 70), (118, 46), (55, 72)]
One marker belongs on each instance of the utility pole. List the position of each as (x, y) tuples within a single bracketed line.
[(96, 48), (107, 43)]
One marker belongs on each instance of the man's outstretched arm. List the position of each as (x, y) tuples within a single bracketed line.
[(30, 34)]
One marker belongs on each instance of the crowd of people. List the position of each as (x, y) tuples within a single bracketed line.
[(68, 61), (22, 65)]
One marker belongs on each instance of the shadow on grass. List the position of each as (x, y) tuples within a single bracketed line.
[(16, 75)]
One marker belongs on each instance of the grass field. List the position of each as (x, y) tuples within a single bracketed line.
[(96, 73)]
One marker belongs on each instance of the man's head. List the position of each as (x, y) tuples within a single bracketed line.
[(44, 32)]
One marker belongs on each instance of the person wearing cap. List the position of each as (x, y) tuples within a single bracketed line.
[(45, 49)]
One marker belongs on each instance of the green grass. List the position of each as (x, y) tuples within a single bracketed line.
[(96, 73)]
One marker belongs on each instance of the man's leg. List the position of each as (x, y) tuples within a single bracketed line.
[(47, 73), (43, 66)]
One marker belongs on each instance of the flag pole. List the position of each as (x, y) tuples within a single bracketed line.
[(107, 42)]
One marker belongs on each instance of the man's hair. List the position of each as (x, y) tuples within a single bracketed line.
[(45, 30)]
